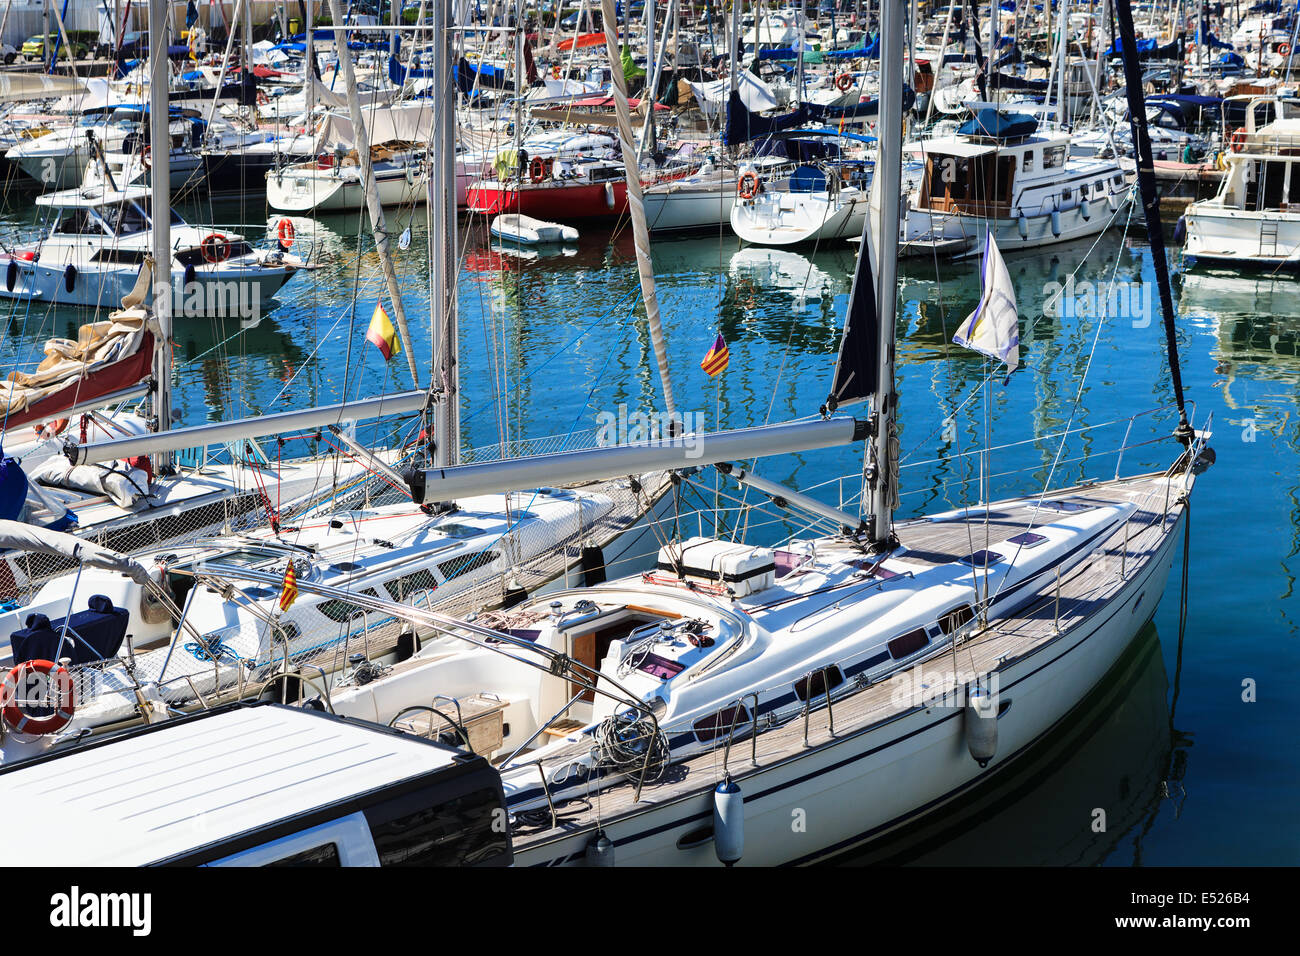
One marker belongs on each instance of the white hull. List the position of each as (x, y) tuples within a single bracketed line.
[(214, 291), (787, 219), (1241, 237), (897, 771), (683, 208), (306, 191), (924, 226)]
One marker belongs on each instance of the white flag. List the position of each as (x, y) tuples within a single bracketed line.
[(994, 327)]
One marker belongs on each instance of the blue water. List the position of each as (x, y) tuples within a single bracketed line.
[(549, 343)]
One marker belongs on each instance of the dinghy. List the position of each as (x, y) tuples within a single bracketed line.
[(515, 227)]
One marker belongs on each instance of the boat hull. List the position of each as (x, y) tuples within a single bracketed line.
[(898, 771), (558, 203), (1218, 235)]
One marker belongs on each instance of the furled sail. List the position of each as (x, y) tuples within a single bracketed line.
[(993, 329), (858, 366)]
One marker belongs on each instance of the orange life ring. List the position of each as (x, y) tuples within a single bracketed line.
[(51, 429), (747, 187), (843, 82), (537, 169), (14, 715), (1283, 49), (284, 231), (1238, 141), (146, 157), (215, 247)]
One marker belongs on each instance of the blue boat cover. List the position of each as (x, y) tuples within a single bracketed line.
[(998, 125), (93, 634)]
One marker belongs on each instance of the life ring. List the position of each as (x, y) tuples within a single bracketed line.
[(843, 82), (284, 231), (1284, 49), (14, 715), (747, 187), (51, 429), (215, 247), (537, 170), (1238, 142)]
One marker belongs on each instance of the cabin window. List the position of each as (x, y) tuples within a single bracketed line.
[(1099, 188), (1027, 164), (982, 559), (1118, 180), (957, 617), (908, 644), (73, 222), (453, 832), (814, 685), (1265, 190), (1053, 156), (1066, 194), (719, 724), (466, 563), (408, 584), (340, 611), (1293, 186), (327, 854)]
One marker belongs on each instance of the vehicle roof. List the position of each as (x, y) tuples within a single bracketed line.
[(172, 788)]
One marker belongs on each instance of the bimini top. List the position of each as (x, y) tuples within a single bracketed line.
[(996, 124)]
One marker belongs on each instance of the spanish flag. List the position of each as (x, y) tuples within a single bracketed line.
[(715, 362), (382, 334), (289, 590)]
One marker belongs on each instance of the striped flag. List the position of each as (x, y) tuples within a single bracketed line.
[(289, 590), (382, 334), (715, 362)]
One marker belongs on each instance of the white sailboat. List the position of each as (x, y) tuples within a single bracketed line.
[(687, 715)]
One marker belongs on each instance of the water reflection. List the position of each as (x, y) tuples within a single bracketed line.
[(1118, 754)]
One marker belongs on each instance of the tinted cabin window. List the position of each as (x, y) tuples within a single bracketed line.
[(908, 644), (956, 618), (814, 685), (326, 855), (719, 724), (1272, 179), (463, 565), (408, 584), (455, 832)]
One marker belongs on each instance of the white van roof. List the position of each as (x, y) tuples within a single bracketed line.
[(154, 794)]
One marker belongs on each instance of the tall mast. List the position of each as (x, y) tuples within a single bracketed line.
[(361, 141), (160, 209), (1151, 202), (882, 461), (443, 249), (636, 207)]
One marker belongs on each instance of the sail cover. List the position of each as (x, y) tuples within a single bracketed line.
[(993, 329), (106, 358)]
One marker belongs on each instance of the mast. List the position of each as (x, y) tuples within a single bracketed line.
[(443, 249), (640, 232), (361, 142), (881, 472), (160, 211), (1137, 111)]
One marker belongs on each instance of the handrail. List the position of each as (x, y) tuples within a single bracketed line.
[(753, 754)]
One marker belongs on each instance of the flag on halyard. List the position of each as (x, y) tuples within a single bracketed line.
[(993, 328), (382, 333), (716, 360), (289, 590)]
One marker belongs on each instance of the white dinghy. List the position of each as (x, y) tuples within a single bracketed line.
[(514, 227)]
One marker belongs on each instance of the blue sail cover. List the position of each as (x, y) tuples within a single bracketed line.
[(777, 53), (998, 125), (870, 52), (743, 125), (1213, 42), (13, 488)]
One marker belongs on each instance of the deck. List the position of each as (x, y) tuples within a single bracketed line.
[(1082, 592)]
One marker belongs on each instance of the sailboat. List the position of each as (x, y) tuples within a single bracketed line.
[(718, 708)]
